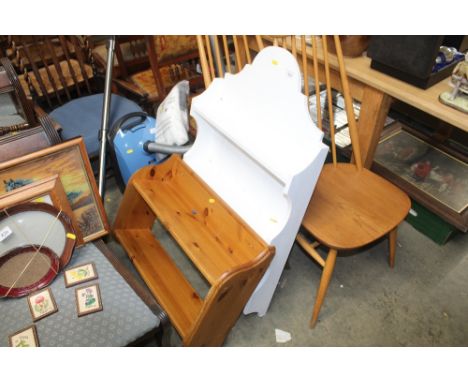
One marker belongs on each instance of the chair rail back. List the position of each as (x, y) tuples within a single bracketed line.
[(54, 67), (319, 51), (224, 54)]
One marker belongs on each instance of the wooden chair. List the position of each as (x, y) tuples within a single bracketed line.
[(131, 55), (19, 111), (31, 130), (351, 206), (58, 75), (171, 59), (55, 69)]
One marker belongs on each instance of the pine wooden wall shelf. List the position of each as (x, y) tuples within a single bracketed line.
[(232, 259)]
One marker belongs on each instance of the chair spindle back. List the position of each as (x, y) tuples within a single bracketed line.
[(348, 105), (53, 66), (290, 42), (224, 54)]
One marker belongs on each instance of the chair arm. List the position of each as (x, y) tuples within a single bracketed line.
[(132, 88)]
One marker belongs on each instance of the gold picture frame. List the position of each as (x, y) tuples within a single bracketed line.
[(48, 190), (70, 161)]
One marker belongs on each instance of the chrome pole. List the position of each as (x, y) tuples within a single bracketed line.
[(105, 114)]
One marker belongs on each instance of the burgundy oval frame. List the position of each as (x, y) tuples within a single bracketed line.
[(42, 282), (70, 238)]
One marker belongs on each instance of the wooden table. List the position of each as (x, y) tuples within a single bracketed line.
[(376, 91)]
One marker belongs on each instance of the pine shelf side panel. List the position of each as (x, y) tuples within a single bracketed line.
[(226, 251)]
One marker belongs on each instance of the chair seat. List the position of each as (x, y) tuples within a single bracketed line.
[(347, 206), (83, 116), (67, 76), (170, 76), (124, 319)]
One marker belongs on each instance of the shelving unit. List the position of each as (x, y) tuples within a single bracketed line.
[(259, 149), (232, 259)]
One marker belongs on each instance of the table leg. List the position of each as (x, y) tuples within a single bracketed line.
[(374, 109)]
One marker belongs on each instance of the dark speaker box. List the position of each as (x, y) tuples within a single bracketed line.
[(411, 58)]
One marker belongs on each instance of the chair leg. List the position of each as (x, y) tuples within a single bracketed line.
[(392, 235), (324, 281)]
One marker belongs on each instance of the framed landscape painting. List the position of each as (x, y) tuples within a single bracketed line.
[(70, 161)]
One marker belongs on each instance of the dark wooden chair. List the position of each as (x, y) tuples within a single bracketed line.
[(131, 54), (57, 74), (22, 129), (171, 59), (17, 112), (54, 69)]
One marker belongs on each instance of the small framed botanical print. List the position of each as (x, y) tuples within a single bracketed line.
[(88, 299), (80, 274), (26, 337), (42, 304)]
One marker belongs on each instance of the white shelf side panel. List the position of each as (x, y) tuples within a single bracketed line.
[(259, 150)]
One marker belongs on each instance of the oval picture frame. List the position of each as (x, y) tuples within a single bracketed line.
[(70, 236)]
